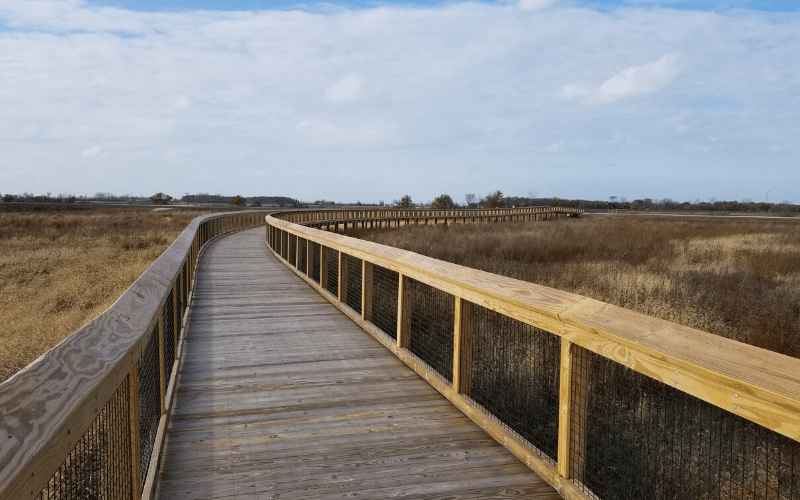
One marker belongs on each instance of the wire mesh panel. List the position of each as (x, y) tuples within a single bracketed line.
[(168, 338), (293, 250), (99, 467), (315, 251), (353, 292), (284, 244), (432, 315), (302, 255), (149, 399), (515, 376), (385, 287), (646, 439), (332, 268)]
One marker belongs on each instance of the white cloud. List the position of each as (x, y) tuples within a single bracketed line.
[(462, 96), (632, 81), (529, 5), (346, 89)]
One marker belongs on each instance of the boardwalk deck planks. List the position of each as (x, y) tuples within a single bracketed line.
[(282, 395)]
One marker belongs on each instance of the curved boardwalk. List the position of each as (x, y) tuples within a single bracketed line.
[(279, 395)]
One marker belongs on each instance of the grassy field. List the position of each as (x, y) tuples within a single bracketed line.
[(61, 266), (736, 278)]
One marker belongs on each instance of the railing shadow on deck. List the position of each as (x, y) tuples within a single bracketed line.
[(600, 401), (86, 419)]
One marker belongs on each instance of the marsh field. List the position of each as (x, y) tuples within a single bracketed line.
[(738, 278), (62, 265)]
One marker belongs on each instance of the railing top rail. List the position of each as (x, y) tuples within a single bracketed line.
[(757, 384), (55, 398)]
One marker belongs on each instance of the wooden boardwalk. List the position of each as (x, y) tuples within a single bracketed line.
[(279, 395)]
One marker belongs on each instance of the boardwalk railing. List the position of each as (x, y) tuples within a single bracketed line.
[(379, 217), (600, 401), (86, 419)]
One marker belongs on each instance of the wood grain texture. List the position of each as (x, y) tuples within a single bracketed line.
[(281, 395), (47, 406), (764, 386), (527, 454)]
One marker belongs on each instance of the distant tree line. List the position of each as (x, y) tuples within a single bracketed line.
[(496, 199), (240, 201), (127, 199), (156, 199)]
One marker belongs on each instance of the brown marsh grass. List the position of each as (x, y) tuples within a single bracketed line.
[(735, 278), (60, 269)]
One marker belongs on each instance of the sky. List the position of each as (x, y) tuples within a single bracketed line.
[(364, 100)]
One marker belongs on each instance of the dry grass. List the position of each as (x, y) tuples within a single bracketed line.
[(739, 279), (60, 269)]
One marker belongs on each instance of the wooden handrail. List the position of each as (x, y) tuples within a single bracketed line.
[(759, 385), (46, 408)]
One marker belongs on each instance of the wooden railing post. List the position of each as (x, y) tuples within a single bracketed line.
[(308, 258), (573, 388), (366, 290), (342, 277), (133, 413), (462, 347), (177, 319), (323, 275), (162, 387), (403, 314)]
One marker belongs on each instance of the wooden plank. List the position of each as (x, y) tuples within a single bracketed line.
[(573, 402), (133, 427), (342, 288), (462, 347), (403, 314), (366, 290), (48, 405), (280, 393)]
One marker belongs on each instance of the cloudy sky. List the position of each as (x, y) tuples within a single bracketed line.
[(369, 100)]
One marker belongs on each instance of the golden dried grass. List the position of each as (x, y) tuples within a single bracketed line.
[(59, 270), (735, 278)]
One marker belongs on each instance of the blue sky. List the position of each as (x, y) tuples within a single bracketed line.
[(233, 5), (370, 101)]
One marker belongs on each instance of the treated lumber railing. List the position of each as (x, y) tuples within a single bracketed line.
[(86, 419), (378, 217), (598, 400)]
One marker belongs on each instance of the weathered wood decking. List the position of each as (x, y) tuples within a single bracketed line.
[(279, 395)]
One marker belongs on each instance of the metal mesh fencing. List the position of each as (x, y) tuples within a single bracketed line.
[(99, 467), (168, 336), (332, 268), (284, 245), (353, 291), (515, 376), (432, 315), (302, 263), (646, 439), (315, 251), (293, 250), (149, 400), (385, 287)]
